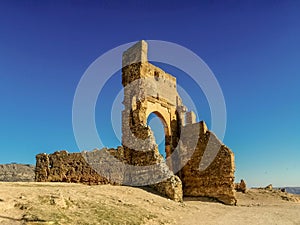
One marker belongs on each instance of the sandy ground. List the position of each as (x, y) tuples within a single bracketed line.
[(62, 203)]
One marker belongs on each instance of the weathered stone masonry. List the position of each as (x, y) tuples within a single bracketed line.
[(203, 165), (217, 180)]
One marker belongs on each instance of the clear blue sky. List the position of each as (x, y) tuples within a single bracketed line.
[(253, 48)]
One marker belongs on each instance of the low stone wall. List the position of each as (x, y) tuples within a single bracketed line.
[(65, 167), (109, 166), (210, 170)]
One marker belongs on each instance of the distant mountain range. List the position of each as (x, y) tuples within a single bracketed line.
[(17, 172), (293, 190)]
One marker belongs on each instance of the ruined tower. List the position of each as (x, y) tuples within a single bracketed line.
[(148, 89)]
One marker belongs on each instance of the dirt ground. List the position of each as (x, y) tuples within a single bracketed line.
[(63, 203)]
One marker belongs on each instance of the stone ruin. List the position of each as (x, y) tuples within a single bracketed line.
[(197, 164), (241, 187)]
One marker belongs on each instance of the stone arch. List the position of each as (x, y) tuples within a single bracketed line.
[(167, 130), (164, 117)]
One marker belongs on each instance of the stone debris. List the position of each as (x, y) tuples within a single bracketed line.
[(269, 187), (241, 187)]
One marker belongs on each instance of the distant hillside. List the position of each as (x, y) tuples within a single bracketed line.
[(16, 172), (293, 190)]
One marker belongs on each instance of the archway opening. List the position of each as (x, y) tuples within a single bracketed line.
[(157, 125)]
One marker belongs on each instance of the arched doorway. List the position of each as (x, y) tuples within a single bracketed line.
[(161, 132)]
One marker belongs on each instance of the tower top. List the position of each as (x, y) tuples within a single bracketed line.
[(135, 54)]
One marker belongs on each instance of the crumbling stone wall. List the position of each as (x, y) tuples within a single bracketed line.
[(208, 165), (209, 176), (62, 166), (97, 167), (148, 89)]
